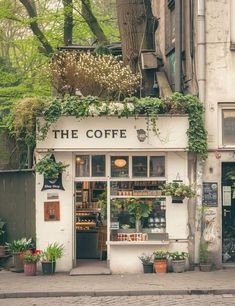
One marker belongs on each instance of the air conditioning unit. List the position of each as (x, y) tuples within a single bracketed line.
[(149, 60)]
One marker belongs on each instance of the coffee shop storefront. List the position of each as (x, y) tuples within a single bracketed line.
[(113, 165)]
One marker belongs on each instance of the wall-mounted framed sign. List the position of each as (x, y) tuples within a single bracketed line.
[(52, 211), (210, 194)]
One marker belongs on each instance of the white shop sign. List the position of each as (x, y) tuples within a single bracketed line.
[(115, 133)]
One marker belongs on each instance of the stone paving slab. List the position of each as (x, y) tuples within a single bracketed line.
[(61, 284)]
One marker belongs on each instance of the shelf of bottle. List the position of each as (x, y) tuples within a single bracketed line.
[(137, 197)]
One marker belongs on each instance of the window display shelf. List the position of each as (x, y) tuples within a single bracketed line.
[(137, 197), (146, 242)]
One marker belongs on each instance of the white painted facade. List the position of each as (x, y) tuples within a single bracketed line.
[(122, 258)]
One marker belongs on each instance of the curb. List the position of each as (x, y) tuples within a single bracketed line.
[(9, 295)]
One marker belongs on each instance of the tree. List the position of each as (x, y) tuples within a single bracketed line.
[(137, 27)]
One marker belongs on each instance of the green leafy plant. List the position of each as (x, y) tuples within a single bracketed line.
[(178, 255), (146, 258), (53, 252), (178, 189), (23, 123), (30, 256), (160, 254), (48, 167), (19, 245), (204, 252)]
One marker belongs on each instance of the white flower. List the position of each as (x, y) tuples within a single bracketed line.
[(130, 106), (93, 110)]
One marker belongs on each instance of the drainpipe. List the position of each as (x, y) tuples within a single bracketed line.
[(178, 45), (201, 67)]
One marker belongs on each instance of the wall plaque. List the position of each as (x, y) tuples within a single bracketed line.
[(210, 193), (52, 211)]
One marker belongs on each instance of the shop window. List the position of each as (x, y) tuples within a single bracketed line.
[(82, 165), (228, 127), (119, 166), (139, 166), (137, 211), (157, 166), (98, 165)]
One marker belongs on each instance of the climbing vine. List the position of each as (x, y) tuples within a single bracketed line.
[(90, 106)]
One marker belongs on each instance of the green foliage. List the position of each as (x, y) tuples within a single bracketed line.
[(30, 256), (203, 252), (178, 255), (19, 245), (53, 252), (146, 258), (48, 167), (160, 254), (23, 122), (178, 189), (137, 208)]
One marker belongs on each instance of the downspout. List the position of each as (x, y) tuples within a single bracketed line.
[(201, 78), (178, 45)]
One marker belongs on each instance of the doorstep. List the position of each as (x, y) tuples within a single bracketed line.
[(90, 267)]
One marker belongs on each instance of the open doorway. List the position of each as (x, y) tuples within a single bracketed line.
[(91, 223), (228, 212)]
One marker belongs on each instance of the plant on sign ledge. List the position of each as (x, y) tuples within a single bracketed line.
[(178, 191), (48, 167)]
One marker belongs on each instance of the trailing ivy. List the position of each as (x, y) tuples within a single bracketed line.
[(89, 106)]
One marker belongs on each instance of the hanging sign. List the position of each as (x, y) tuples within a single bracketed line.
[(210, 193), (53, 184)]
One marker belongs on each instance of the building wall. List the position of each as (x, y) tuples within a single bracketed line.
[(57, 231)]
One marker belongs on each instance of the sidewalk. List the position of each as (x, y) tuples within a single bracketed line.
[(18, 285)]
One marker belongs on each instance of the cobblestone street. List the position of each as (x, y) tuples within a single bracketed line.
[(192, 300)]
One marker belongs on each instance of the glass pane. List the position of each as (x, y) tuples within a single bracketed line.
[(119, 166), (82, 165), (98, 165), (139, 166), (157, 165), (228, 127)]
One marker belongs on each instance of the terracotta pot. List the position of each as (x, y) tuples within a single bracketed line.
[(30, 268), (160, 265)]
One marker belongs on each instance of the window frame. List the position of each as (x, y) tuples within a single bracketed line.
[(224, 107)]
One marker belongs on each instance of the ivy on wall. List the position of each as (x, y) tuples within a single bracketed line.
[(81, 107)]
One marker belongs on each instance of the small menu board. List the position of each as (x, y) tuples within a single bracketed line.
[(210, 193)]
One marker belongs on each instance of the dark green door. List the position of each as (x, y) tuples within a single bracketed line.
[(228, 212)]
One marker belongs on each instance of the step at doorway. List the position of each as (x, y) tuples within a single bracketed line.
[(90, 267)]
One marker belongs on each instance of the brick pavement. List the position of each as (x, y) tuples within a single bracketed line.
[(61, 284)]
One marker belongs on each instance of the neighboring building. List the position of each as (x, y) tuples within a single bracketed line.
[(204, 65)]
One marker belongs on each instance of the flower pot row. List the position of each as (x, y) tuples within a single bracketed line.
[(158, 261)]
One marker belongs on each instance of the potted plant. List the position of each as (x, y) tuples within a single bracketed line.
[(160, 261), (138, 209), (30, 260), (17, 247), (49, 257), (178, 191), (48, 167), (205, 265), (178, 260), (147, 261)]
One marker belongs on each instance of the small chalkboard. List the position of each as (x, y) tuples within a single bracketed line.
[(210, 193)]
